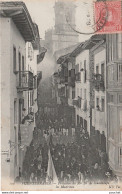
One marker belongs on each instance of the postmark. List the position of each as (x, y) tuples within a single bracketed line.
[(106, 18)]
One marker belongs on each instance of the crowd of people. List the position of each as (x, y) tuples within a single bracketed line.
[(35, 164), (75, 161)]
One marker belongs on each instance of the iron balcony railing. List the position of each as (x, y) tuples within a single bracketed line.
[(61, 91), (25, 80), (63, 80), (78, 76), (99, 82), (77, 102)]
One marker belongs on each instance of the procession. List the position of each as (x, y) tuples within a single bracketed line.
[(74, 162), (61, 94)]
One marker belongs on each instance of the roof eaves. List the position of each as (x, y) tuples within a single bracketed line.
[(16, 6)]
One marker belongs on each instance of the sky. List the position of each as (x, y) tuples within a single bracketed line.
[(42, 13)]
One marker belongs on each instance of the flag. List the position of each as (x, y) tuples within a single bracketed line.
[(41, 55), (39, 77), (51, 173)]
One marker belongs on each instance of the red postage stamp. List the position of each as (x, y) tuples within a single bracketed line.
[(108, 18)]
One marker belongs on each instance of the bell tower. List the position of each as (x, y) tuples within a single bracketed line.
[(64, 14), (62, 36)]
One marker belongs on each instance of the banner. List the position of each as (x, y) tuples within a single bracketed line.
[(51, 173)]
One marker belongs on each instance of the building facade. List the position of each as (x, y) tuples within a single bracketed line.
[(99, 112), (114, 102), (17, 87), (82, 90)]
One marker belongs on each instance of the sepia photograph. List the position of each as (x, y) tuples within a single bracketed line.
[(61, 95)]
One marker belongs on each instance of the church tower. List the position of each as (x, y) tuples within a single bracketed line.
[(62, 36), (64, 14)]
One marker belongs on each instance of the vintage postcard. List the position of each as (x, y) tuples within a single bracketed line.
[(61, 95)]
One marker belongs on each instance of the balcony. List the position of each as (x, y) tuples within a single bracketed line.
[(77, 102), (78, 76), (98, 120), (39, 77), (71, 81), (25, 81), (64, 100), (99, 82), (114, 73), (64, 80), (61, 91)]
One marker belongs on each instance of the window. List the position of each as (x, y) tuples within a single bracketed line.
[(73, 94), (81, 121), (23, 65), (69, 73), (111, 98), (80, 65), (15, 111), (77, 91), (120, 161), (85, 125), (110, 47), (15, 160), (102, 70), (112, 121), (19, 61), (119, 72), (14, 60), (120, 124), (84, 71), (68, 93), (119, 44), (15, 139), (97, 102), (32, 99), (103, 105), (77, 68), (110, 73), (65, 72), (97, 69), (72, 72), (30, 52), (81, 92), (77, 119), (120, 98), (85, 94)]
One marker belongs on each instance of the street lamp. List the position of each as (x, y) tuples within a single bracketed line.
[(13, 145)]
